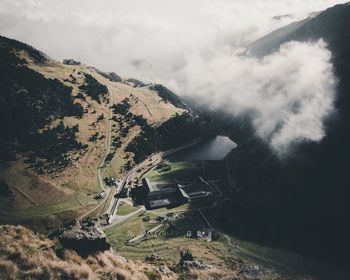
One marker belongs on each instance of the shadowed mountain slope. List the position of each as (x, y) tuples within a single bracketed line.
[(299, 203)]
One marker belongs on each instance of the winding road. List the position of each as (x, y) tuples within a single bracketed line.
[(102, 163), (115, 200)]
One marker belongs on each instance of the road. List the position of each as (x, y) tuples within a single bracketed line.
[(115, 200), (103, 160), (118, 219)]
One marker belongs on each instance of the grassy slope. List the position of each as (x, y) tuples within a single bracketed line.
[(125, 209), (226, 261), (185, 171), (25, 255), (73, 189)]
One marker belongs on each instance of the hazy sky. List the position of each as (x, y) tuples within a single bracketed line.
[(191, 46)]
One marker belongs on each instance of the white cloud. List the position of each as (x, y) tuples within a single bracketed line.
[(191, 46), (288, 93)]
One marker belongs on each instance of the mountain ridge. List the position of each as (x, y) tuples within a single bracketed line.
[(71, 133)]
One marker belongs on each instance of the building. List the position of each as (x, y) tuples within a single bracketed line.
[(100, 195), (175, 194), (204, 235), (167, 196), (198, 190)]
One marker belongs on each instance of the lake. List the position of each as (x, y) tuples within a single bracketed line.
[(212, 149)]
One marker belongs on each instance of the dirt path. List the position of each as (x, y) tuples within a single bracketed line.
[(102, 162), (25, 195)]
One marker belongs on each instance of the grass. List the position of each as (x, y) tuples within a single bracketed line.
[(162, 245), (26, 255), (164, 210), (79, 201), (67, 190), (290, 262), (125, 209), (115, 168), (58, 193), (149, 105), (134, 226), (180, 171)]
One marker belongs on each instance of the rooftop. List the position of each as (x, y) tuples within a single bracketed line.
[(159, 203)]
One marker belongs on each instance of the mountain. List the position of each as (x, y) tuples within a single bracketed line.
[(69, 132), (299, 203), (70, 135), (55, 123), (329, 25)]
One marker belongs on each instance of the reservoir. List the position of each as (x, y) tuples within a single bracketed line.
[(212, 149)]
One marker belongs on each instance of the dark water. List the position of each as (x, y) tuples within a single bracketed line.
[(213, 149)]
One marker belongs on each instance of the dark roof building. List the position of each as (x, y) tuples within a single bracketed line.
[(198, 190), (168, 196)]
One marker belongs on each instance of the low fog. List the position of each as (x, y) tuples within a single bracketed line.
[(287, 93), (194, 48)]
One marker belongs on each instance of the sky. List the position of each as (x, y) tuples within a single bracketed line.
[(193, 47)]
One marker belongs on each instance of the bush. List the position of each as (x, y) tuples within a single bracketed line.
[(93, 88)]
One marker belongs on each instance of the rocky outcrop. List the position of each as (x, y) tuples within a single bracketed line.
[(84, 240)]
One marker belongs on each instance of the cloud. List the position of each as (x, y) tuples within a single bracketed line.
[(288, 93), (193, 47)]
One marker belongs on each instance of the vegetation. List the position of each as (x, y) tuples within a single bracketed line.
[(5, 191), (113, 77), (93, 88), (121, 108), (48, 150), (162, 167), (28, 103), (125, 209), (185, 255), (175, 132), (25, 255), (11, 44), (135, 83), (168, 96), (178, 171)]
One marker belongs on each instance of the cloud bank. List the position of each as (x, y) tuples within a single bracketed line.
[(193, 47), (288, 93)]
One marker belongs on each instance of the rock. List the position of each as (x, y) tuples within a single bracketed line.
[(187, 265), (85, 240), (163, 270)]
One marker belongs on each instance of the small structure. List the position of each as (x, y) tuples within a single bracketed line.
[(110, 181), (204, 234), (70, 61), (189, 233), (100, 195)]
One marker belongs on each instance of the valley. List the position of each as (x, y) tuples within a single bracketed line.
[(110, 177)]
